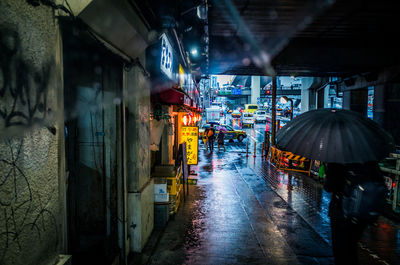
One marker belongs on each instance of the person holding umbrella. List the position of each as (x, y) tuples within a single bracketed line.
[(211, 137), (205, 137), (220, 137), (351, 146), (347, 228)]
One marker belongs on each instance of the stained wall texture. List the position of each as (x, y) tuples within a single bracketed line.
[(30, 208), (139, 184)]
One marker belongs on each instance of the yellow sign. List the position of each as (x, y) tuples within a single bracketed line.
[(181, 76), (190, 135)]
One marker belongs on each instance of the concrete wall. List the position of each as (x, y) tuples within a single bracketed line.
[(386, 100), (31, 135), (392, 110), (140, 185)]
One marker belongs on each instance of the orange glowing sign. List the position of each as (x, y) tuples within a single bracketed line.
[(190, 135)]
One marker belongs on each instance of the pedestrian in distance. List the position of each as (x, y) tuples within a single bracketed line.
[(205, 138), (211, 137), (358, 194), (220, 140)]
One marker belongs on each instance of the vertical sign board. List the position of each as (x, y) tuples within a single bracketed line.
[(190, 135), (166, 56)]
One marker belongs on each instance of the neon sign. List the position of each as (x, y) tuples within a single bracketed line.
[(166, 56)]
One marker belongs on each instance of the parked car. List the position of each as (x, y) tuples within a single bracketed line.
[(229, 134), (260, 116), (248, 119)]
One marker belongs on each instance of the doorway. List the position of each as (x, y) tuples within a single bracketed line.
[(92, 103)]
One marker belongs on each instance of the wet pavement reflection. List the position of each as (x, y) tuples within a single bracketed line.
[(244, 211)]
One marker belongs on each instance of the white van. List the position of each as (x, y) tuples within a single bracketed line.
[(213, 115), (248, 119)]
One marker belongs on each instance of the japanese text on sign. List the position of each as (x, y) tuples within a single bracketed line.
[(190, 135)]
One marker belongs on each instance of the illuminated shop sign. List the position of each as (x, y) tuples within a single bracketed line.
[(190, 135), (166, 56)]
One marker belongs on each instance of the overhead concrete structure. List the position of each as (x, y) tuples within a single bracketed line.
[(303, 38)]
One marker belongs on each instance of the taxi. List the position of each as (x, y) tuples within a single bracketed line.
[(230, 133), (236, 114)]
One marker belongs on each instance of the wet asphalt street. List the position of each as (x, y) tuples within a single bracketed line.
[(244, 211)]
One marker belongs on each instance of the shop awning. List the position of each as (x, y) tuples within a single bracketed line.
[(173, 96), (170, 96)]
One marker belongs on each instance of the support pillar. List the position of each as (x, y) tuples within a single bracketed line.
[(255, 90), (326, 96), (306, 83), (305, 96)]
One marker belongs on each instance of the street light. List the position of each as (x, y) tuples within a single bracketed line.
[(284, 100)]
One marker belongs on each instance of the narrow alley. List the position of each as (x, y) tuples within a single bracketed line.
[(114, 115)]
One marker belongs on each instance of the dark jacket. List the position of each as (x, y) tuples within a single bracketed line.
[(220, 137), (338, 174)]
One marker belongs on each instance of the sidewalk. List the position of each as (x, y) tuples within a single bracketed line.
[(379, 244), (223, 222), (245, 212)]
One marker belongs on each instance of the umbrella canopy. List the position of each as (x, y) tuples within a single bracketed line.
[(335, 136), (222, 129), (214, 122)]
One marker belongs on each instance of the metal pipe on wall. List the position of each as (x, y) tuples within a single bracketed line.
[(273, 110)]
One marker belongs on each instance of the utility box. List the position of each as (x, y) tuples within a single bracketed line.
[(161, 214)]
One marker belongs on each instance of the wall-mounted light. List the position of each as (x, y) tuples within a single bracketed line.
[(194, 52), (202, 11)]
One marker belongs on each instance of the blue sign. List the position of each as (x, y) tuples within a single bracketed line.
[(236, 91)]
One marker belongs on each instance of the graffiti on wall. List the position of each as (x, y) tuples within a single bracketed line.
[(23, 88), (28, 196)]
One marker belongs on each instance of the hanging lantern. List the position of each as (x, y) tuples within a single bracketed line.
[(185, 120)]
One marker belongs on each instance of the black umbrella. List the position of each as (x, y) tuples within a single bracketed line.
[(335, 136)]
